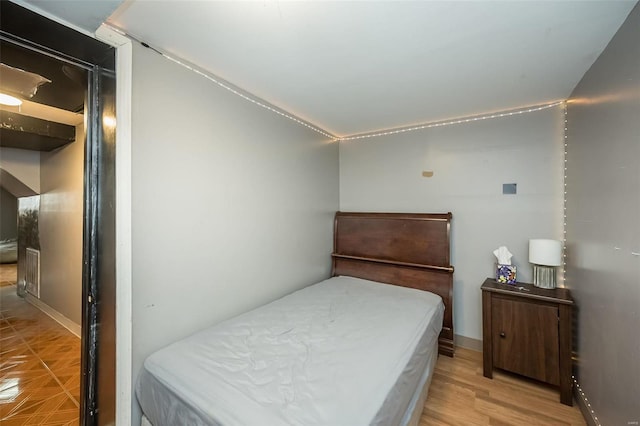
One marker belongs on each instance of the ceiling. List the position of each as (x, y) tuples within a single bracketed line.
[(66, 84), (51, 87), (354, 67), (86, 14), (49, 112)]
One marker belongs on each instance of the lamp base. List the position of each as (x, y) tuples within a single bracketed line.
[(544, 276)]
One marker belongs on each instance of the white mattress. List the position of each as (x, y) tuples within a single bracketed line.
[(344, 351)]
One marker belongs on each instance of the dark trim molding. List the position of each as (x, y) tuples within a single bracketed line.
[(28, 26), (36, 33)]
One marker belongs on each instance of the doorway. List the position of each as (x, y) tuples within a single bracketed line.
[(89, 64)]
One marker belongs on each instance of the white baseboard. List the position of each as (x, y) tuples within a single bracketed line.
[(55, 315), (468, 343)]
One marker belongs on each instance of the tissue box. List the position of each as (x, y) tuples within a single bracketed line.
[(506, 274)]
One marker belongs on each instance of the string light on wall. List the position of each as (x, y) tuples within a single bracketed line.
[(250, 99), (393, 131), (229, 87), (564, 201), (586, 402), (471, 119)]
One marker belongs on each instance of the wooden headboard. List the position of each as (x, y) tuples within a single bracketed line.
[(405, 249)]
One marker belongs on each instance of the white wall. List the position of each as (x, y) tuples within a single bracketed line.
[(232, 205), (22, 164), (470, 163), (603, 231), (60, 226)]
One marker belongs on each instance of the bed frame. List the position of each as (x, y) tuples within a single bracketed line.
[(405, 249)]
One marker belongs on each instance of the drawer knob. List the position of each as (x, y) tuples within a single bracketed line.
[(502, 334)]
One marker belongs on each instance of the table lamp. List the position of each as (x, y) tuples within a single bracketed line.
[(545, 256)]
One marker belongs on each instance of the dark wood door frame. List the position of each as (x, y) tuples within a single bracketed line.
[(29, 30)]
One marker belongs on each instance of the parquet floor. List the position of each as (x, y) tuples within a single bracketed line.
[(39, 365), (461, 395)]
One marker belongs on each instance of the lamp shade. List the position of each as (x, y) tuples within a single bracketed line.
[(545, 252)]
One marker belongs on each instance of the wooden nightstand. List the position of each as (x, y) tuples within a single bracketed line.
[(528, 332)]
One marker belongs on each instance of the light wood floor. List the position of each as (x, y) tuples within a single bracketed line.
[(461, 395), (40, 381)]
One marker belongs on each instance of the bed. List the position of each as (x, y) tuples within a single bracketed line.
[(358, 348)]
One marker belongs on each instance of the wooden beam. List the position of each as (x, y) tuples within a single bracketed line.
[(21, 131)]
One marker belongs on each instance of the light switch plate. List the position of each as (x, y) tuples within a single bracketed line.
[(509, 188)]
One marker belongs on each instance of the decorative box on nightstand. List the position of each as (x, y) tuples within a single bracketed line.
[(527, 330)]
